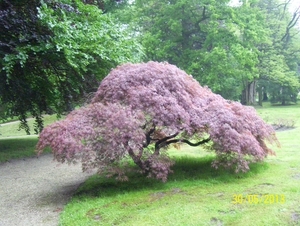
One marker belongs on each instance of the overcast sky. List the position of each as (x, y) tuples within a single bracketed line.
[(294, 5)]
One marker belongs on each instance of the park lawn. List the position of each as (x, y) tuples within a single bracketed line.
[(11, 129), (16, 148), (196, 194), (16, 144)]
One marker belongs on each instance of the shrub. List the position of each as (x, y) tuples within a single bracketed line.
[(140, 109)]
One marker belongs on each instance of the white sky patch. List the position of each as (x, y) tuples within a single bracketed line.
[(235, 3), (294, 5)]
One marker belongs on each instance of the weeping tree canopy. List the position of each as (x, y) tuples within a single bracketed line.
[(140, 109)]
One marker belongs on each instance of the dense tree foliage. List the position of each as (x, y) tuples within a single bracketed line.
[(53, 52), (209, 39), (280, 57), (140, 109), (227, 47)]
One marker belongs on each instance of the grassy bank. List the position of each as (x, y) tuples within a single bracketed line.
[(16, 144), (15, 148), (11, 129), (198, 195)]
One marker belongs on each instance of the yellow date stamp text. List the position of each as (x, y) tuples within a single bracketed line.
[(258, 199)]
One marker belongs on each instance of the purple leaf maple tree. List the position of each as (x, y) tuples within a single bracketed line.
[(140, 109)]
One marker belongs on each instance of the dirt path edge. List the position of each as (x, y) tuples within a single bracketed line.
[(33, 191)]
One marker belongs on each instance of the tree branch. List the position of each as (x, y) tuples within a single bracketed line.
[(284, 8), (188, 142), (148, 136), (291, 24), (136, 158), (162, 143), (166, 141)]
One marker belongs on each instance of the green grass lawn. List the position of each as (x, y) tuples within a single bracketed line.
[(15, 148), (11, 129), (196, 194), (15, 144)]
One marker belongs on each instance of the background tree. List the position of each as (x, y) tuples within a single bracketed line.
[(279, 58), (209, 39), (140, 109), (52, 52), (227, 47)]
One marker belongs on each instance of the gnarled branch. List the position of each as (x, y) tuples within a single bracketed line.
[(188, 142), (163, 142), (148, 137)]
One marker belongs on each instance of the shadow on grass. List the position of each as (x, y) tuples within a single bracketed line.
[(283, 105), (188, 171)]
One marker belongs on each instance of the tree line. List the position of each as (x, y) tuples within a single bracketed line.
[(53, 53), (236, 50)]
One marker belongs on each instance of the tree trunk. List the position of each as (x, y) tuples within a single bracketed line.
[(260, 95), (248, 94), (265, 97)]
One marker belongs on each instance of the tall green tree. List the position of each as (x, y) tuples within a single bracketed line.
[(52, 52), (280, 57), (228, 47), (212, 40)]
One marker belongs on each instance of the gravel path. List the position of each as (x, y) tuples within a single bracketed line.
[(33, 191)]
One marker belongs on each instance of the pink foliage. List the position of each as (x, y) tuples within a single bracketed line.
[(138, 105)]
